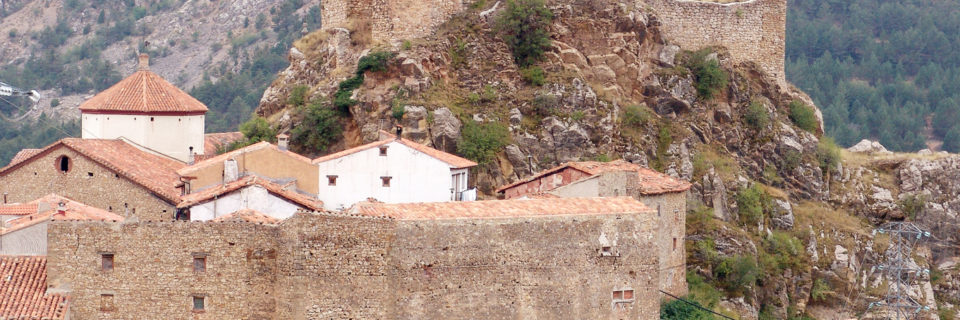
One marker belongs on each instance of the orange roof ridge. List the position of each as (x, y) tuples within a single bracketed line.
[(24, 295), (74, 211), (143, 92), (205, 195), (454, 161), (185, 171), (503, 208), (247, 215), (23, 155), (155, 173), (651, 181)]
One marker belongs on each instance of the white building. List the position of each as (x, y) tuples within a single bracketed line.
[(394, 170), (246, 193), (149, 112)]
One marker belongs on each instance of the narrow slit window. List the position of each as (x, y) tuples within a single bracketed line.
[(331, 180), (383, 151), (385, 181), (674, 244), (106, 261)]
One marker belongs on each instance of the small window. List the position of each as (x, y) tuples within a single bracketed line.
[(606, 251), (385, 181), (90, 174), (383, 151), (106, 261), (106, 303), (198, 303), (199, 264), (622, 297), (674, 244), (151, 119), (331, 180), (63, 163), (659, 210)]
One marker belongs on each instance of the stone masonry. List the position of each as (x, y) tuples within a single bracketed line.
[(391, 20), (327, 266), (752, 30)]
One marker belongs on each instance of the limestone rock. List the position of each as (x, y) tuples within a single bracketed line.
[(722, 113), (868, 146), (782, 214), (668, 54), (516, 117), (445, 130), (519, 161)]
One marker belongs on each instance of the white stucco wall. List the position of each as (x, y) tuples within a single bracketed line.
[(415, 177), (30, 241), (589, 187), (253, 197), (169, 135)]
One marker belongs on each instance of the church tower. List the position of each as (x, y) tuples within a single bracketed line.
[(149, 112)]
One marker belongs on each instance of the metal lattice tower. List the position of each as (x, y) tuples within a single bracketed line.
[(900, 269)]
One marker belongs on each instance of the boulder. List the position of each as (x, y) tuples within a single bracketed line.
[(868, 146), (723, 113), (516, 117), (445, 130), (782, 214), (668, 54)]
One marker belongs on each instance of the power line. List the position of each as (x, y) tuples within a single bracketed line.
[(694, 304), (57, 127)]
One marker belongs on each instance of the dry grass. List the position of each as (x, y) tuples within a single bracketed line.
[(310, 43), (361, 30), (853, 159), (723, 165), (816, 214)]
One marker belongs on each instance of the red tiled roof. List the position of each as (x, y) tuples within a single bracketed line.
[(502, 208), (50, 203), (18, 209), (186, 171), (215, 191), (247, 215), (454, 161), (155, 173), (23, 155), (651, 182), (143, 92), (23, 282), (214, 141)]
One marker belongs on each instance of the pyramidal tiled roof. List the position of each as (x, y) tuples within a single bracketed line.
[(23, 294), (143, 92)]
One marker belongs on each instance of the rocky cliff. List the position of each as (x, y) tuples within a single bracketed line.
[(778, 226)]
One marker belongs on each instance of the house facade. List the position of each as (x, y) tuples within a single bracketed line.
[(149, 112), (268, 161), (393, 170), (246, 193), (665, 194)]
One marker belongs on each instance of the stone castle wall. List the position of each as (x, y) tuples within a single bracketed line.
[(753, 30), (328, 266), (393, 19), (87, 182)]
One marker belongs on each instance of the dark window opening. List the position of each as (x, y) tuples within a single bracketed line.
[(106, 261), (674, 244), (383, 151), (199, 264), (331, 180), (106, 303), (63, 163), (151, 119), (659, 210), (89, 174), (198, 303), (385, 181), (606, 251)]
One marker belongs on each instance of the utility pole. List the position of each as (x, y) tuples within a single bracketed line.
[(901, 271)]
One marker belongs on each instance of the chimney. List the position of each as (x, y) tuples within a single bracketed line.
[(191, 157), (62, 208), (399, 132), (230, 171), (283, 141), (144, 62)]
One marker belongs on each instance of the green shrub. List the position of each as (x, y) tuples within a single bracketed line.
[(374, 62), (524, 26), (54, 103), (320, 128), (737, 274), (298, 95), (756, 116), (820, 291), (12, 33), (533, 75), (750, 204), (702, 291), (709, 76), (398, 111), (664, 139), (258, 129), (911, 205), (634, 116), (791, 160), (828, 154), (458, 53), (803, 116), (680, 310), (480, 142), (577, 116), (407, 45), (473, 98), (787, 251)]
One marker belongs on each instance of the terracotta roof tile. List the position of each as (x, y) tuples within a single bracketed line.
[(651, 182), (214, 141), (247, 215), (502, 208), (23, 282), (18, 209), (143, 92), (48, 206), (24, 155), (189, 170), (155, 173), (276, 189), (454, 161)]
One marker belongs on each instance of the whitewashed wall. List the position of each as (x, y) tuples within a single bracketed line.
[(169, 135), (253, 197), (416, 177)]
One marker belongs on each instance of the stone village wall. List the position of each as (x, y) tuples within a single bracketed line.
[(318, 266), (751, 30)]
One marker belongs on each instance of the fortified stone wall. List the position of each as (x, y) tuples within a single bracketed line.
[(322, 266), (86, 182), (153, 274), (751, 30), (391, 19)]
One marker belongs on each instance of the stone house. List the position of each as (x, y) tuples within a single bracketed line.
[(27, 234), (109, 174), (549, 259), (392, 170), (666, 194), (250, 192), (24, 294)]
